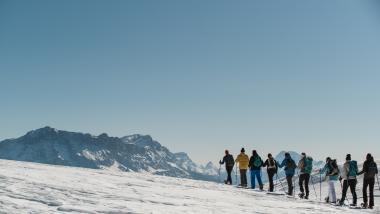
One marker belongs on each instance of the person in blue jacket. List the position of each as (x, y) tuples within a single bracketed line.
[(290, 169)]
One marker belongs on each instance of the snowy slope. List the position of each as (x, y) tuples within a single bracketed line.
[(37, 188)]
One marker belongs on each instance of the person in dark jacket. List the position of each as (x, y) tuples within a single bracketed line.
[(370, 170), (272, 168), (255, 164), (290, 169), (228, 159)]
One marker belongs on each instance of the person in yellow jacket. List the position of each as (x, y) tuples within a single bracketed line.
[(243, 161)]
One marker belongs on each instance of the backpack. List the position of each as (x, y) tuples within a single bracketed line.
[(257, 162), (352, 169), (308, 165), (372, 170), (334, 169), (291, 164), (271, 164), (230, 160)]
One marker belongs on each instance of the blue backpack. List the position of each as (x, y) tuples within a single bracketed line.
[(353, 169), (308, 165), (257, 162)]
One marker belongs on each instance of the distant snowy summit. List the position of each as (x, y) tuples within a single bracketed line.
[(138, 153)]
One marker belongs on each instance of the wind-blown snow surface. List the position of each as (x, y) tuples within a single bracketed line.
[(37, 188)]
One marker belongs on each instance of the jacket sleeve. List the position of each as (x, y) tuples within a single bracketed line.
[(250, 162), (324, 169), (238, 159), (365, 168), (276, 164), (282, 164), (266, 163), (223, 161), (347, 168)]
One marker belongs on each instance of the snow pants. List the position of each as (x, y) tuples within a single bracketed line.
[(256, 174), (369, 182)]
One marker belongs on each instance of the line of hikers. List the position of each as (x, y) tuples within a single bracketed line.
[(347, 175)]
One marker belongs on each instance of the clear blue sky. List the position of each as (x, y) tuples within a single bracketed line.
[(199, 76)]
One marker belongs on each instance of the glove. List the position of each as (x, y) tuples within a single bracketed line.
[(340, 178)]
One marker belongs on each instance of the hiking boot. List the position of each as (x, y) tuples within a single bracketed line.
[(301, 195), (261, 187), (306, 197)]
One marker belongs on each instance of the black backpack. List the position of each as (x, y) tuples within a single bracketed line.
[(372, 170), (291, 164), (230, 160), (334, 169)]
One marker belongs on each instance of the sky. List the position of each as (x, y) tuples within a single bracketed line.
[(198, 76)]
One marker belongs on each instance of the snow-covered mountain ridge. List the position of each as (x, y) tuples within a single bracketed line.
[(138, 153)]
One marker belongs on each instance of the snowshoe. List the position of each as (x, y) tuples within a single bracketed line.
[(364, 205), (339, 202), (306, 197), (301, 195), (327, 200)]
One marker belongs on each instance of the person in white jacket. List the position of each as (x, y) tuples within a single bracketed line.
[(348, 175)]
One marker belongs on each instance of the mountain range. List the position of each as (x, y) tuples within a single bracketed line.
[(138, 153)]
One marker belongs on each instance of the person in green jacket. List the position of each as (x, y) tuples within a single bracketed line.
[(332, 174)]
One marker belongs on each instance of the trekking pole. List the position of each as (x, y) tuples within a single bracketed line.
[(378, 183), (275, 183), (311, 178), (278, 179), (320, 186), (294, 183), (220, 166), (236, 175)]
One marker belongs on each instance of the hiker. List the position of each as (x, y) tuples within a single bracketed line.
[(255, 164), (348, 175), (332, 174), (306, 166), (272, 168), (370, 171), (228, 159), (290, 169), (243, 161)]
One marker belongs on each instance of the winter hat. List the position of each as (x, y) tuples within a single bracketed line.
[(328, 159), (269, 155), (254, 152), (227, 152), (303, 153), (287, 154), (242, 150), (369, 156), (348, 157)]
